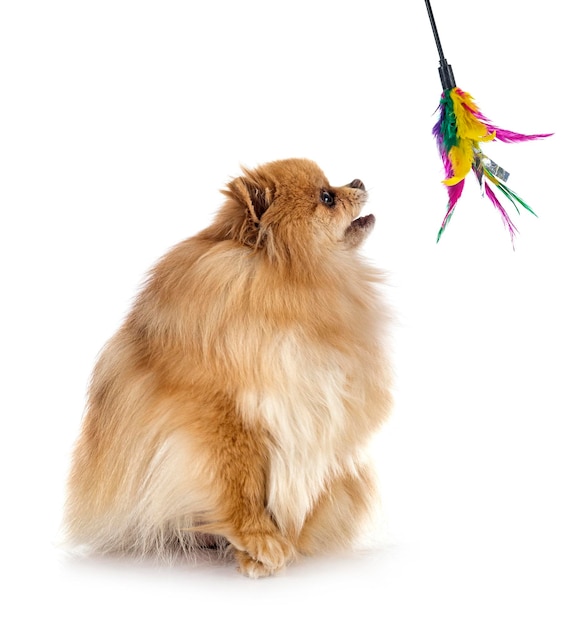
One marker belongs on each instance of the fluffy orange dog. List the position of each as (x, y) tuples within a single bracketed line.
[(233, 407)]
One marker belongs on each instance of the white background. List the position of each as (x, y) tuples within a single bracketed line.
[(120, 121)]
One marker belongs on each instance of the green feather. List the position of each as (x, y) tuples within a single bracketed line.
[(449, 123), (512, 196)]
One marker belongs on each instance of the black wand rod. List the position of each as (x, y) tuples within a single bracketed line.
[(445, 71)]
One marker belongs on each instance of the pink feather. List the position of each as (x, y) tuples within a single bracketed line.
[(509, 136), (505, 217), (506, 136)]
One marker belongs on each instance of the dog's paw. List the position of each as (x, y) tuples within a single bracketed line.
[(263, 555), (251, 567)]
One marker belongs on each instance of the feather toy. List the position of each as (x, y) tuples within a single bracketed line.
[(459, 132)]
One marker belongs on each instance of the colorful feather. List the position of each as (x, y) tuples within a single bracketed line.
[(459, 131)]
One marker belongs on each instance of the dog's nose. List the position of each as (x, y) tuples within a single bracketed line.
[(357, 184)]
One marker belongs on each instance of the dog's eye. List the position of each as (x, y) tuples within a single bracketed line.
[(327, 198)]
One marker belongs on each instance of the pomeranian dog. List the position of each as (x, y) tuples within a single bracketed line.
[(233, 408)]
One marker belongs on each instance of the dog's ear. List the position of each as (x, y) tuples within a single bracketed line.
[(253, 195)]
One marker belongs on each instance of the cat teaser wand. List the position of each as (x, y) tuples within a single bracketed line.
[(459, 131)]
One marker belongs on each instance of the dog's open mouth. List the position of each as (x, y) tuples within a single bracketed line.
[(366, 221), (363, 222)]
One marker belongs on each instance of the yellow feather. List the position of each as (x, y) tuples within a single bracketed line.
[(461, 158), (468, 126)]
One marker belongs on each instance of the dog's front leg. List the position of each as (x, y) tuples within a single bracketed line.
[(260, 547)]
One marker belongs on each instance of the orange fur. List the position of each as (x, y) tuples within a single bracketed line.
[(234, 405)]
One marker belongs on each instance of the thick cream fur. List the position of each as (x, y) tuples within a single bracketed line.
[(234, 406)]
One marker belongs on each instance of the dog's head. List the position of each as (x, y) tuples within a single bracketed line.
[(291, 204)]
